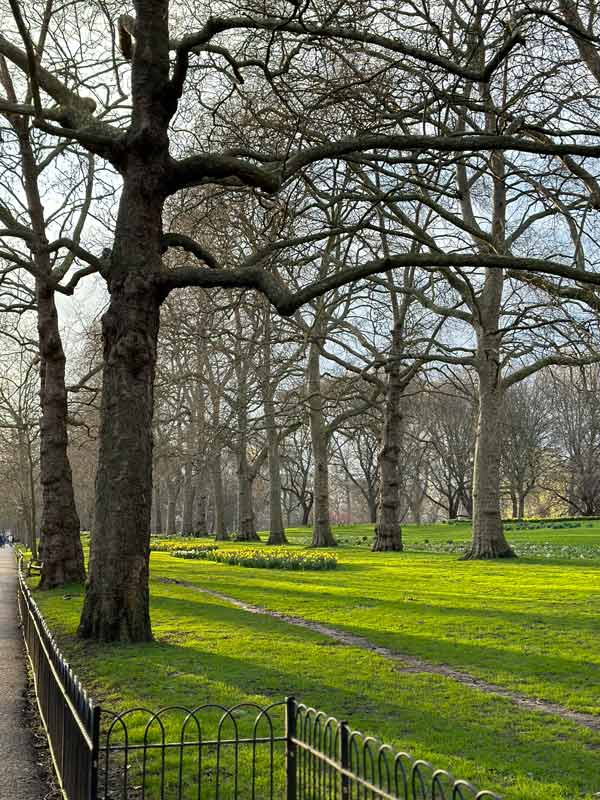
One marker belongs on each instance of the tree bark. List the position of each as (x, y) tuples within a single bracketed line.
[(488, 534), (189, 495), (172, 494), (60, 543), (416, 513), (372, 503), (276, 527), (201, 509), (116, 605), (27, 491), (388, 533), (246, 528), (306, 509), (467, 501), (220, 531), (157, 524), (322, 535), (453, 506)]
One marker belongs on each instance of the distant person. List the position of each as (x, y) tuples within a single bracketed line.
[(3, 540)]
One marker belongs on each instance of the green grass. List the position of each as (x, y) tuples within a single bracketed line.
[(531, 626), (587, 534)]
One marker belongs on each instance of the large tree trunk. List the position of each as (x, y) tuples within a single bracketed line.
[(306, 509), (453, 506), (157, 523), (372, 504), (172, 495), (189, 495), (116, 605), (276, 528), (416, 512), (220, 530), (467, 501), (60, 543), (388, 533), (322, 535), (28, 503), (488, 535), (246, 527), (201, 509)]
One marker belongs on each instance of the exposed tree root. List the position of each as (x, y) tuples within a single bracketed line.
[(487, 554)]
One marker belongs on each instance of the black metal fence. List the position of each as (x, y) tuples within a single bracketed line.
[(328, 759), (69, 716), (246, 752)]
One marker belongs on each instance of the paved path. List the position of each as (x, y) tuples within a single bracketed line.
[(19, 773)]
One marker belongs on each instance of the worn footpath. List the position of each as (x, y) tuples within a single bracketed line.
[(20, 774)]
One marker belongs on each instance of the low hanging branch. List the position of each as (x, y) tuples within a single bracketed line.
[(287, 302)]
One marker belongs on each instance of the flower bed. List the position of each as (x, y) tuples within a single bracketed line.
[(267, 558), (176, 546)]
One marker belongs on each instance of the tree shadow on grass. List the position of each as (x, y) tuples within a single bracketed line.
[(481, 737), (511, 667), (409, 606), (208, 651)]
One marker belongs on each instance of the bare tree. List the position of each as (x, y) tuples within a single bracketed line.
[(260, 156), (526, 432)]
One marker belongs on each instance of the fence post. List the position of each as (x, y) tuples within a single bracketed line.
[(290, 749), (95, 754), (345, 759)]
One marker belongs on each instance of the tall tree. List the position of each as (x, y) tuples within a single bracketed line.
[(60, 546), (266, 159)]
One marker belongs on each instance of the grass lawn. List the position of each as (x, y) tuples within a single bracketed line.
[(532, 626)]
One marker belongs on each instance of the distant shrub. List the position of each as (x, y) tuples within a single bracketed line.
[(536, 526), (523, 549), (542, 521), (529, 520)]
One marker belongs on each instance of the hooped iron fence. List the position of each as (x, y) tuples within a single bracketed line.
[(211, 752), (70, 718)]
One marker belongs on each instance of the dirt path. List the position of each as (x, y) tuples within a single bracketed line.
[(20, 774), (406, 663)]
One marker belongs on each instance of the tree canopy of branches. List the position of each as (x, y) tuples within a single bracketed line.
[(379, 107)]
